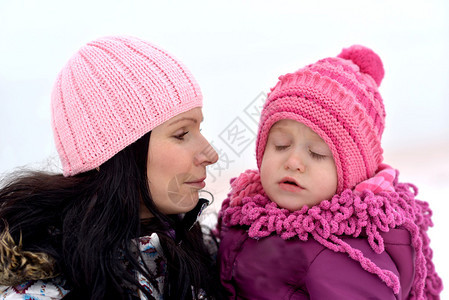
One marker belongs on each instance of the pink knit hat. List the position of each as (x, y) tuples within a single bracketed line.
[(112, 92), (338, 98)]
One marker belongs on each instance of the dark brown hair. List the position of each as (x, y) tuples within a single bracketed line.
[(82, 227)]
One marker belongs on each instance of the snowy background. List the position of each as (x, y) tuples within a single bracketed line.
[(236, 50)]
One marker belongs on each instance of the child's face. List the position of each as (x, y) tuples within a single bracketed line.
[(297, 167)]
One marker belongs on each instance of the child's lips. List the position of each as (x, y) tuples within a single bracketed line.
[(290, 184)]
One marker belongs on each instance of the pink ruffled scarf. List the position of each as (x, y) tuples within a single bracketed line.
[(375, 205)]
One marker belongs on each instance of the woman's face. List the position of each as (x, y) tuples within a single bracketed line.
[(177, 158)]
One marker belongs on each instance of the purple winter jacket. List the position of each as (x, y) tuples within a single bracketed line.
[(273, 268)]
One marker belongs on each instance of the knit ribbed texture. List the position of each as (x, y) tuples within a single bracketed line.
[(347, 214), (337, 98), (112, 92)]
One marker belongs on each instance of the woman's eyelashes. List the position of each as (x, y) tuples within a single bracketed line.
[(180, 136), (181, 133)]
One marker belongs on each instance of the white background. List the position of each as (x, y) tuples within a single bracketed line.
[(236, 50)]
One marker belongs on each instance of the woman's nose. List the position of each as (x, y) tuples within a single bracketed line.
[(207, 154)]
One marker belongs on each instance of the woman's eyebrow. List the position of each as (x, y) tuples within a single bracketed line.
[(183, 119)]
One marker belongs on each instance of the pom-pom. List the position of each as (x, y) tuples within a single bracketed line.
[(367, 60)]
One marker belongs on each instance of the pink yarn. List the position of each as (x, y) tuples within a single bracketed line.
[(338, 98), (367, 60), (382, 181), (112, 92), (349, 213)]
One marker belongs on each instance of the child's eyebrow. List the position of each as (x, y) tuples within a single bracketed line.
[(278, 128)]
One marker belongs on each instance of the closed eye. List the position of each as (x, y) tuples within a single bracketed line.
[(281, 147), (181, 136), (317, 156)]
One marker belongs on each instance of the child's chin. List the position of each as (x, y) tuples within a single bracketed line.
[(291, 205)]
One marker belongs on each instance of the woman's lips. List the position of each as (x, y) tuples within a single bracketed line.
[(199, 184)]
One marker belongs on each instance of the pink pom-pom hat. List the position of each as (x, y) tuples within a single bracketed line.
[(112, 92), (338, 98)]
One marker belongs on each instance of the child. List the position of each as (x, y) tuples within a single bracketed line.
[(322, 217)]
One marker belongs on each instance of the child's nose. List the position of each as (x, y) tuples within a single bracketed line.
[(295, 162)]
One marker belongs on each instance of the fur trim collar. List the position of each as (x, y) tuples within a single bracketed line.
[(17, 265)]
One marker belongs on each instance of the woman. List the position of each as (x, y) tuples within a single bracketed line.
[(119, 222)]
